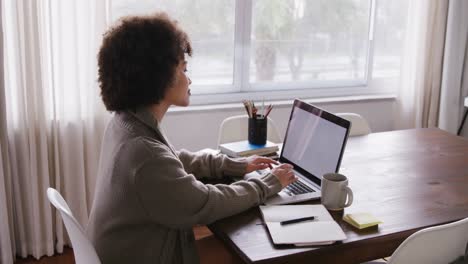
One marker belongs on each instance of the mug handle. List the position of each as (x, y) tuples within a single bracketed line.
[(350, 196)]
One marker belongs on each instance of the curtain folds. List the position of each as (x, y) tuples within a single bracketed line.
[(421, 70), (455, 75), (54, 117), (6, 249)]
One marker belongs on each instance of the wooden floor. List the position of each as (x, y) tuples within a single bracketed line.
[(210, 250), (65, 258)]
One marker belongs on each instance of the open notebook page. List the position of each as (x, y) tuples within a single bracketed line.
[(320, 231)]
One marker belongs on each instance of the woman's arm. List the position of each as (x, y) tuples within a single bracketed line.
[(207, 165), (174, 198)]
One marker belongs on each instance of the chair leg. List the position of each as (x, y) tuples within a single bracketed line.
[(462, 123)]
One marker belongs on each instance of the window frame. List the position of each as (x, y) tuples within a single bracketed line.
[(242, 88)]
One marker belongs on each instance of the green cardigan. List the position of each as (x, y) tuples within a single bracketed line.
[(148, 196)]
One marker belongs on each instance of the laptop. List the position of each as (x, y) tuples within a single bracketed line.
[(314, 144)]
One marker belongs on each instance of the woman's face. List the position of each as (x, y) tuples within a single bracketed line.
[(179, 93)]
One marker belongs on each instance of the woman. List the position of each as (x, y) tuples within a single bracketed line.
[(148, 195)]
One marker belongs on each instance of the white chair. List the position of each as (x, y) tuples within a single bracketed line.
[(82, 248), (234, 128), (439, 244), (359, 125)]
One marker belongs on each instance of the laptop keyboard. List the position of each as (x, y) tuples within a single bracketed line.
[(298, 187), (294, 188)]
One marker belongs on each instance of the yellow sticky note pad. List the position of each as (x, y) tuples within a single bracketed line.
[(361, 220)]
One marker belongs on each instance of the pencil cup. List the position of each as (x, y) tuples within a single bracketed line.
[(257, 130)]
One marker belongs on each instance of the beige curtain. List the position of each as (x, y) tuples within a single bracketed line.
[(6, 248), (421, 71), (455, 75), (51, 133)]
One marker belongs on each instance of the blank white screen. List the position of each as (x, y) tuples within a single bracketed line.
[(313, 143)]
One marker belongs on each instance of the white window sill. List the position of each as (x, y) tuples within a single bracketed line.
[(325, 100)]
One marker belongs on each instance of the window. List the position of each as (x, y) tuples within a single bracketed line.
[(283, 48)]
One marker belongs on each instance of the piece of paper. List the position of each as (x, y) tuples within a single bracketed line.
[(361, 220)]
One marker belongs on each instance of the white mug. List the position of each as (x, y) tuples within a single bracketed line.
[(335, 192)]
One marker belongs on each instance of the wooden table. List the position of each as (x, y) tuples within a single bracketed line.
[(409, 179)]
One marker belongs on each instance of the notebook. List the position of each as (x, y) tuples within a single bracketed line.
[(244, 148), (322, 230)]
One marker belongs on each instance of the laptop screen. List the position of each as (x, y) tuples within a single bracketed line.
[(315, 141)]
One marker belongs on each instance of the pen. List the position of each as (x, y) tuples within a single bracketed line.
[(263, 108), (298, 220)]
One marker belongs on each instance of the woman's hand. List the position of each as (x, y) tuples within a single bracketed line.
[(259, 163), (284, 174)]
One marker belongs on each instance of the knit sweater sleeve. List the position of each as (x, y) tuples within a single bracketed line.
[(208, 165), (174, 198)]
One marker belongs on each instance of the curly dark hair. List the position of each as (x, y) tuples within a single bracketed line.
[(138, 59)]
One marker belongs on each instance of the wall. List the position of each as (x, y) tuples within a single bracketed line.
[(196, 128)]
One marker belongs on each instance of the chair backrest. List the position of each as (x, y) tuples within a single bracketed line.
[(439, 244), (82, 248), (359, 125), (234, 128)]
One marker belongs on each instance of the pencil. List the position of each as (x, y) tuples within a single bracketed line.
[(254, 109), (246, 107), (268, 110)]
